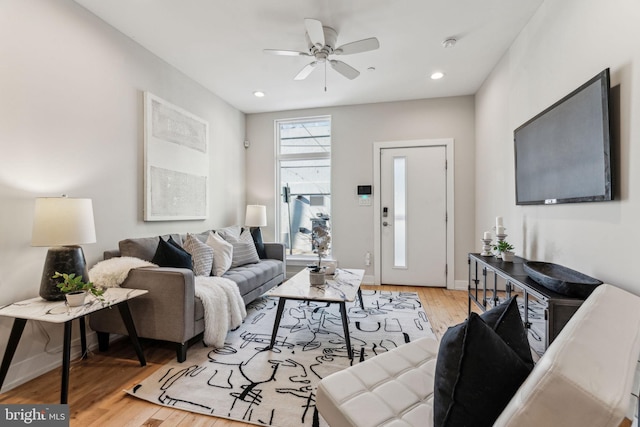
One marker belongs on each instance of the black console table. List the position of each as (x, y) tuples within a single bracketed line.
[(544, 312)]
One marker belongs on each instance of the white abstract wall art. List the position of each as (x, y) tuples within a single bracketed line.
[(176, 162)]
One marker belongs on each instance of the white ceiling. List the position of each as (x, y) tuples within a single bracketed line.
[(219, 44)]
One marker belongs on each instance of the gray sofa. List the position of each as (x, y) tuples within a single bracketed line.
[(171, 311)]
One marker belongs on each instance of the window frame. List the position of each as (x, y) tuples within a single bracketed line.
[(280, 157)]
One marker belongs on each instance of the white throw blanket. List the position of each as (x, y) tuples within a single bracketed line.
[(224, 307)]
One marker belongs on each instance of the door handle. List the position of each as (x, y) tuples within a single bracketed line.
[(386, 224)]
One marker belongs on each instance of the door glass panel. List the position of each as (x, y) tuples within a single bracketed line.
[(400, 211)]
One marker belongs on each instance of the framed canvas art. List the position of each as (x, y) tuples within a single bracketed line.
[(176, 162)]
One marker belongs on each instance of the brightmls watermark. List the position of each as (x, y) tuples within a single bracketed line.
[(34, 415)]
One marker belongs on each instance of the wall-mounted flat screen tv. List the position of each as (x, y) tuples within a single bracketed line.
[(563, 155)]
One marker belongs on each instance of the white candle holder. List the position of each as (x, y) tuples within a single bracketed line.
[(486, 247)]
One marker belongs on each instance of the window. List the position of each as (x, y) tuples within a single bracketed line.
[(304, 180)]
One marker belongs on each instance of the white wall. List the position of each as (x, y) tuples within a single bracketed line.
[(71, 121), (354, 129), (565, 44)]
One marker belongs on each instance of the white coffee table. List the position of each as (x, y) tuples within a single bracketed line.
[(340, 288), (58, 312)]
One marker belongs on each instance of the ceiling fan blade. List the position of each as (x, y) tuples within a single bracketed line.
[(304, 73), (285, 52), (346, 70), (357, 47), (315, 31)]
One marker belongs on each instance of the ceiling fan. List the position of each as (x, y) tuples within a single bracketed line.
[(322, 41)]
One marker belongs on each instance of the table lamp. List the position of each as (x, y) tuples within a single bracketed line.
[(62, 223), (256, 217)]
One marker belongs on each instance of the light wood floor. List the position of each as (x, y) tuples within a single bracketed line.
[(95, 392)]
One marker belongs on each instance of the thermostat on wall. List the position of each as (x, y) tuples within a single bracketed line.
[(364, 190), (364, 195)]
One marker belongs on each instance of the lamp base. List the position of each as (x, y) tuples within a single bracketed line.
[(257, 239), (64, 259)]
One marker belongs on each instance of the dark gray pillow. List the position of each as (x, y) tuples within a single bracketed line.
[(505, 320), (170, 254), (476, 376), (143, 247)]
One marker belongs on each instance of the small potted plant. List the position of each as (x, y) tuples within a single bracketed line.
[(321, 239), (75, 289), (505, 250)]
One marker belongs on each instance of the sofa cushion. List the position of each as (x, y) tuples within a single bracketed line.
[(222, 253), (170, 254), (250, 276), (477, 373), (201, 253), (143, 247), (230, 233)]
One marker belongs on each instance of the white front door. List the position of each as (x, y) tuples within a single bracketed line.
[(413, 217)]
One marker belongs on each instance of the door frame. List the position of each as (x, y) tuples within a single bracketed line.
[(377, 148)]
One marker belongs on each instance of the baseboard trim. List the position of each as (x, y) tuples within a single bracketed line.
[(461, 285)]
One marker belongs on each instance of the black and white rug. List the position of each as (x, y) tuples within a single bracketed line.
[(243, 381)]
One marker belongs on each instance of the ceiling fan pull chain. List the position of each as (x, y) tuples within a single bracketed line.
[(325, 76)]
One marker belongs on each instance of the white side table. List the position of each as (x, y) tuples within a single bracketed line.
[(58, 312)]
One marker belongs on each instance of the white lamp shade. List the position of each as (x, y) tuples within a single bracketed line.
[(256, 216), (62, 221)]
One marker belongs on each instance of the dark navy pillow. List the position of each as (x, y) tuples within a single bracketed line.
[(170, 254)]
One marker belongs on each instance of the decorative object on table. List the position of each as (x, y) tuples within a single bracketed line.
[(499, 228), (279, 386), (75, 290), (504, 250), (500, 233), (256, 217), (176, 162), (562, 280), (63, 224), (486, 244), (321, 238)]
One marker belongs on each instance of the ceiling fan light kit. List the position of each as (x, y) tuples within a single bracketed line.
[(321, 42)]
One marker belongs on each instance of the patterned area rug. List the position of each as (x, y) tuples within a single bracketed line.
[(244, 381)]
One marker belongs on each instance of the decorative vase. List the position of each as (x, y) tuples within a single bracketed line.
[(75, 298), (316, 278), (507, 256)]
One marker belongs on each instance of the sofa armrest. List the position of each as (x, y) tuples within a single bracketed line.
[(111, 253), (274, 251), (165, 313)]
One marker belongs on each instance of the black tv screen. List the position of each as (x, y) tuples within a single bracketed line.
[(563, 155)]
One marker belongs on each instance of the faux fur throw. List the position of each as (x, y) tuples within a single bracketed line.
[(112, 272), (224, 307)]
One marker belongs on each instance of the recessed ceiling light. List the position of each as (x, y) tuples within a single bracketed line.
[(258, 94), (437, 75)]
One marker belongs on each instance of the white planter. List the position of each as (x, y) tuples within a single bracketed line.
[(75, 299), (508, 256)]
